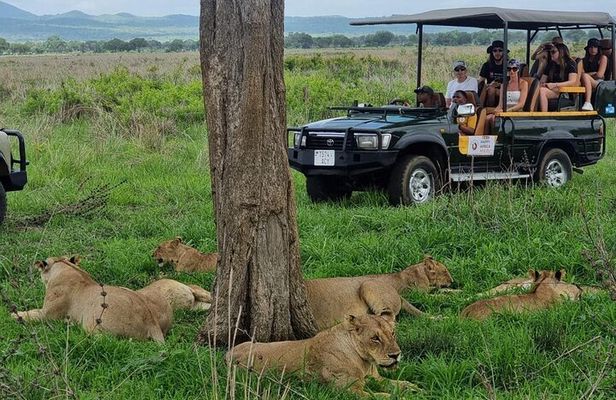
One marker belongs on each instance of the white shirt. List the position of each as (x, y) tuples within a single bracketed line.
[(469, 84), (513, 96)]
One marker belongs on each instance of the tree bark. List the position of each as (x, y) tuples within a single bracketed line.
[(254, 201)]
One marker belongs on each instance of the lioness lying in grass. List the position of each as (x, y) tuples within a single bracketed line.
[(547, 290), (343, 355), (184, 258), (332, 298), (71, 293), (527, 282)]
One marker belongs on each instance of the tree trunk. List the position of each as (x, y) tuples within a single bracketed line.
[(254, 201)]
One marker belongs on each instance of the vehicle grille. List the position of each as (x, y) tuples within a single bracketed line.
[(328, 142)]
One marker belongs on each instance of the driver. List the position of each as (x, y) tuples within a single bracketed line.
[(426, 97)]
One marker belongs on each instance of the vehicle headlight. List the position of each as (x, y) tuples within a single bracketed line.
[(372, 141), (298, 137)]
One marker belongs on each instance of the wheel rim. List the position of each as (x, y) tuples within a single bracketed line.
[(555, 174), (420, 185)]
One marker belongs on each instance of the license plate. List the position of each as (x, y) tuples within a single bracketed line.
[(324, 157)]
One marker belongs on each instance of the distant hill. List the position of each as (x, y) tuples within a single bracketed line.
[(20, 25)]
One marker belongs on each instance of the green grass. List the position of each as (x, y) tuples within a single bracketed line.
[(485, 236)]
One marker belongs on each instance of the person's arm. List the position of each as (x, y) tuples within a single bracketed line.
[(571, 81), (600, 74), (523, 95), (449, 94), (499, 107)]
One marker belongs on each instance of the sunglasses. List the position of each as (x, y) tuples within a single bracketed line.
[(514, 69), (458, 69), (497, 50)]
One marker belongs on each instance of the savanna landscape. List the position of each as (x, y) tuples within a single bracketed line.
[(118, 156)]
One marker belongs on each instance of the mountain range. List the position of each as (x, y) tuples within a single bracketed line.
[(19, 25)]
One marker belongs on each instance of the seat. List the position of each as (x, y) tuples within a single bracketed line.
[(439, 100), (524, 70), (480, 128), (473, 97)]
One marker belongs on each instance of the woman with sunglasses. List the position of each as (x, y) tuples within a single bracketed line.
[(492, 73), (592, 70), (461, 81), (517, 91), (561, 71)]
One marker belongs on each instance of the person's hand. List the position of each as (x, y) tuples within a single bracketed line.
[(498, 109), (551, 85)]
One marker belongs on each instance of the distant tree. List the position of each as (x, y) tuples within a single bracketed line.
[(576, 36), (379, 39), (155, 44), (299, 40), (139, 43), (341, 41), (115, 45), (4, 45), (21, 48), (323, 41), (174, 46), (55, 44)]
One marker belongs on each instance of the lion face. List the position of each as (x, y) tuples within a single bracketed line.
[(167, 252), (375, 339), (437, 273)]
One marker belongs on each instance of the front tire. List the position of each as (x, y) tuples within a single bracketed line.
[(327, 188), (555, 168), (414, 180), (2, 203)]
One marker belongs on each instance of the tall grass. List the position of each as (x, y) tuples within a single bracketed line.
[(158, 157)]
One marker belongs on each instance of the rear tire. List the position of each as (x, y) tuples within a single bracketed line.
[(2, 203), (555, 168), (414, 180), (327, 188)]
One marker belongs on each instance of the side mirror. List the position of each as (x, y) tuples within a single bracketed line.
[(465, 110)]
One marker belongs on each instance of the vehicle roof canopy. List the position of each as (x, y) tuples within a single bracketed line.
[(495, 18)]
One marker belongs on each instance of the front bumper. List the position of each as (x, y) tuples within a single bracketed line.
[(346, 162)]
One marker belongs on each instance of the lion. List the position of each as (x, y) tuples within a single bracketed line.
[(332, 298), (184, 258), (72, 293), (527, 282), (343, 355), (547, 290)]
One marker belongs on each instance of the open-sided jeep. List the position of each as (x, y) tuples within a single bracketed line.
[(413, 152), (11, 178)]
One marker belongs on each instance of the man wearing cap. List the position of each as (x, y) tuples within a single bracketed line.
[(592, 70), (426, 98), (606, 49), (492, 72), (461, 81)]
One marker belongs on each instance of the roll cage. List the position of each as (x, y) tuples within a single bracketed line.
[(531, 21)]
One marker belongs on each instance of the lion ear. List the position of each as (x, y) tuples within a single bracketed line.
[(42, 265), (429, 262), (560, 274), (350, 322), (75, 259), (389, 317), (178, 239), (537, 275), (531, 274)]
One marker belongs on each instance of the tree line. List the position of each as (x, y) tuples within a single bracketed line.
[(294, 40)]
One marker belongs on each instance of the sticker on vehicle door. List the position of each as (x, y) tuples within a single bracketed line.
[(324, 158), (477, 145)]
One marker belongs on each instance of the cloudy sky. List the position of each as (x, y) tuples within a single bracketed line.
[(347, 8)]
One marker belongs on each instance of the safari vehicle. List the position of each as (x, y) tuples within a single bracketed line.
[(11, 179), (413, 152)]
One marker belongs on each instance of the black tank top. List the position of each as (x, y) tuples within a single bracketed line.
[(590, 65)]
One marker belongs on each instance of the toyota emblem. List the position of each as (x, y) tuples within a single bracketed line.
[(330, 142)]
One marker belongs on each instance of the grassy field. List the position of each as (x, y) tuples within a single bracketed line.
[(137, 129)]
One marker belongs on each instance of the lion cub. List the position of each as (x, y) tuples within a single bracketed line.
[(184, 258), (343, 355), (332, 298), (547, 290)]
